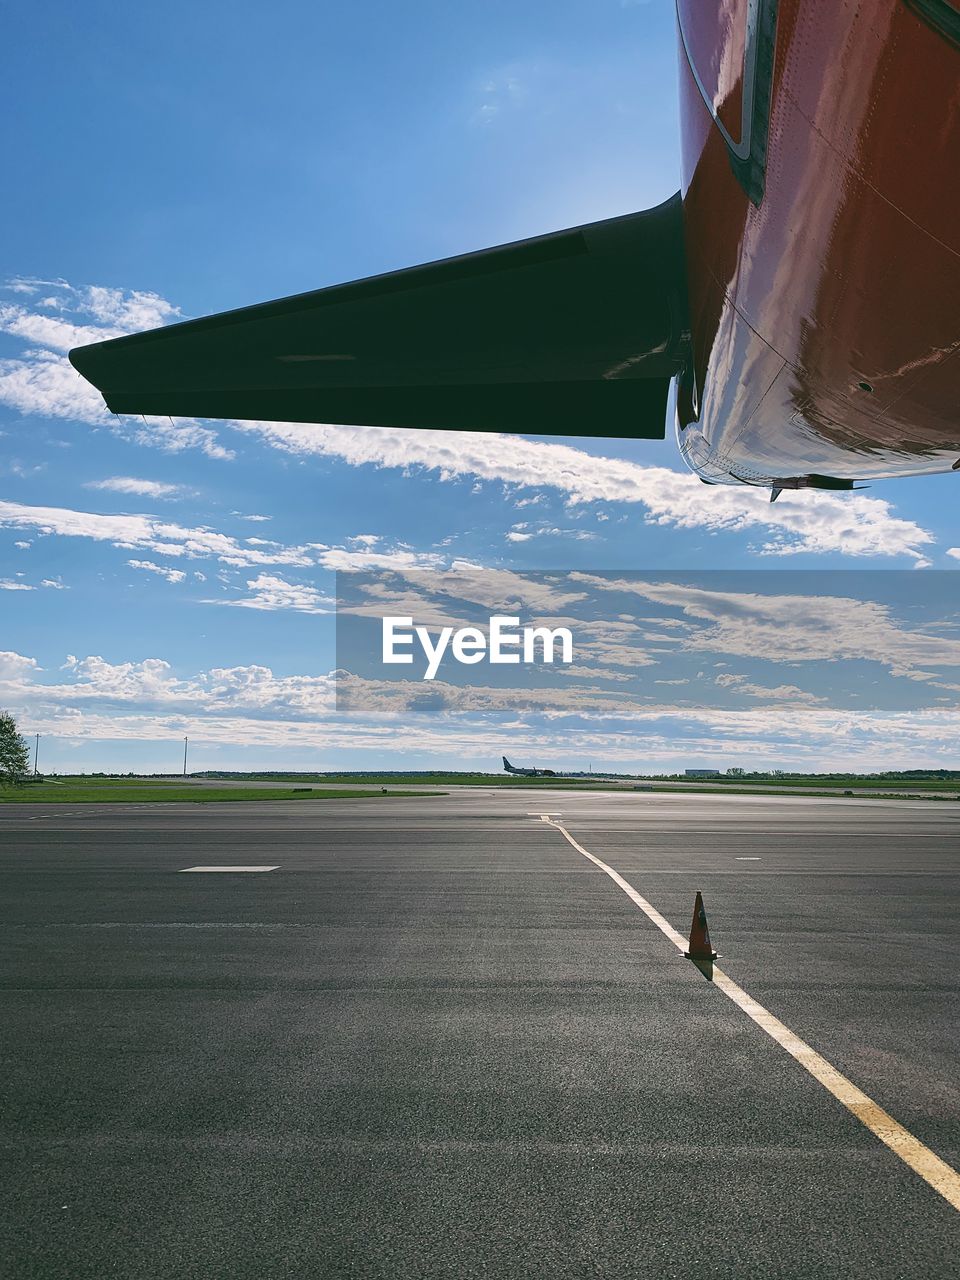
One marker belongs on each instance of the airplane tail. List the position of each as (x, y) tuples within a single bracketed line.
[(507, 765)]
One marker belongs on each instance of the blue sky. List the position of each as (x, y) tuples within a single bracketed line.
[(180, 159)]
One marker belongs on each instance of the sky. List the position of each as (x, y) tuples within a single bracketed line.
[(165, 578)]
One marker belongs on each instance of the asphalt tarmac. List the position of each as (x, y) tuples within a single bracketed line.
[(437, 1041), (625, 784)]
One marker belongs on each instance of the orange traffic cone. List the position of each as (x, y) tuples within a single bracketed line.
[(699, 947)]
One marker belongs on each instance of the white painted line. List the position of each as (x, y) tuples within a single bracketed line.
[(746, 859), (182, 869), (934, 1171)]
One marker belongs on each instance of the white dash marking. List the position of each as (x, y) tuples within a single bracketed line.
[(276, 868)]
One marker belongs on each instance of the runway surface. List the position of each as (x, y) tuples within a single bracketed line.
[(624, 784), (437, 1041)]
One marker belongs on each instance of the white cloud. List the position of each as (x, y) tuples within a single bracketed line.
[(360, 560), (174, 435), (591, 673), (802, 521), (502, 90), (785, 693), (171, 575), (576, 535), (50, 331), (142, 488), (379, 599), (15, 667), (42, 381), (271, 593), (147, 533), (500, 589), (793, 628), (32, 284), (955, 552), (128, 311), (47, 384), (523, 531), (21, 469), (152, 687), (612, 644), (8, 584), (23, 546)]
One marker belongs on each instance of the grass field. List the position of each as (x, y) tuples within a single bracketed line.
[(141, 791), (470, 780), (861, 793), (425, 779), (839, 782)]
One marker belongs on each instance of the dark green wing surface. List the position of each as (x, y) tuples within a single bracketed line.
[(575, 333)]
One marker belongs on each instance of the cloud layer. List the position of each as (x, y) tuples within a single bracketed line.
[(147, 701)]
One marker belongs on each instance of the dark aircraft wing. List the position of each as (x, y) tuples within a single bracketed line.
[(575, 333)]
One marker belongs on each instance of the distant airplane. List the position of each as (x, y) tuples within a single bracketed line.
[(528, 773), (801, 289)]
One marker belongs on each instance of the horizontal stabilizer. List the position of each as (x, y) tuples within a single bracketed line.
[(574, 333)]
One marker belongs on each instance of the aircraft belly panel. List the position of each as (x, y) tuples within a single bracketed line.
[(846, 272)]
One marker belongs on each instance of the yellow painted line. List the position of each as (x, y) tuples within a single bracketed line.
[(934, 1171)]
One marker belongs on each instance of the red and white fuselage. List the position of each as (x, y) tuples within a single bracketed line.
[(821, 203)]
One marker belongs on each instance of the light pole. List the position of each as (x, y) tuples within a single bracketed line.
[(184, 757), (36, 755)]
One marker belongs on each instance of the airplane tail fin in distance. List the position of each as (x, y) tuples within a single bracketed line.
[(574, 333), (506, 764)]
